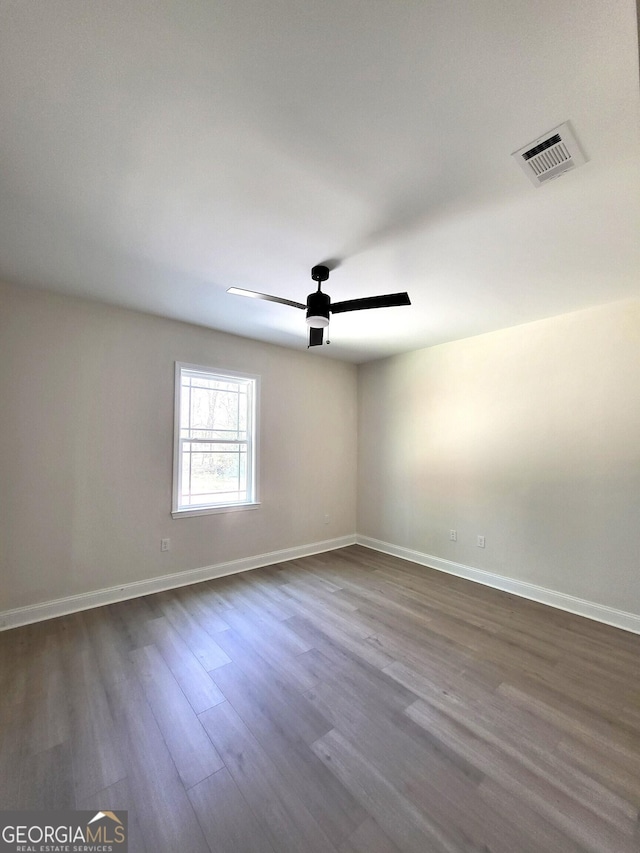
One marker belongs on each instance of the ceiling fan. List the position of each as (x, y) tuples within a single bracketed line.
[(319, 304)]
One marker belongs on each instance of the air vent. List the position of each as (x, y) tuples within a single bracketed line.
[(550, 155)]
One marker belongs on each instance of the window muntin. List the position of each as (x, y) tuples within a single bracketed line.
[(215, 453)]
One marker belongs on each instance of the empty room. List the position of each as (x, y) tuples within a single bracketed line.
[(319, 426)]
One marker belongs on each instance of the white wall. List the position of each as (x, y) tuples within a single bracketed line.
[(529, 436), (86, 430)]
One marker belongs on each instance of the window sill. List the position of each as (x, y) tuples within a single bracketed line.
[(214, 510)]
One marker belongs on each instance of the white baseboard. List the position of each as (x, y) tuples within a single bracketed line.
[(85, 601), (560, 600), (99, 597)]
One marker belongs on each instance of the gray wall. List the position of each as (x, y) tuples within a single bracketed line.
[(528, 436), (86, 431)]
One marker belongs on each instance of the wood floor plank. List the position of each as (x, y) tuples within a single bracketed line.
[(570, 716), (159, 799), (46, 780), (281, 692), (109, 643), (14, 665), (409, 828), (200, 604), (133, 615), (97, 762), (196, 683), (47, 706), (561, 808), (247, 646), (312, 607), (334, 600), (309, 570), (231, 826), (13, 753), (271, 593), (368, 838), (392, 741), (277, 805), (252, 594), (199, 640), (192, 751), (617, 770), (464, 697), (536, 834), (256, 628), (333, 642), (390, 614), (219, 593), (325, 798), (117, 797), (431, 778)]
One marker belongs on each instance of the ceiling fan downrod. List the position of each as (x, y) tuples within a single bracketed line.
[(319, 273)]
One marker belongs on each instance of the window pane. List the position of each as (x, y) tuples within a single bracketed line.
[(215, 410), (242, 474), (213, 471), (184, 407), (186, 479), (243, 407)]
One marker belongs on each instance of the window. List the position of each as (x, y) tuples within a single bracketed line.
[(214, 466)]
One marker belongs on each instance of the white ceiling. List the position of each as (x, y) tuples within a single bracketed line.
[(155, 153)]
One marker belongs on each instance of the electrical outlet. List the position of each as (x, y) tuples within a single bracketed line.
[(164, 544), (326, 518), (453, 535), (480, 542)]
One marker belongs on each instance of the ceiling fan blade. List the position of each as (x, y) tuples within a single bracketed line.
[(253, 294), (388, 301), (315, 337)]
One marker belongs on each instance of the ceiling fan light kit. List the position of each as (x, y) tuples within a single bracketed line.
[(317, 321), (319, 307)]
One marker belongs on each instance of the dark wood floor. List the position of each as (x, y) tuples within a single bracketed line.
[(346, 702)]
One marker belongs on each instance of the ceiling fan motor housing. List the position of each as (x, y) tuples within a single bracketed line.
[(318, 309), (320, 272)]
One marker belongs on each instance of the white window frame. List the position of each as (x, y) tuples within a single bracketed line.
[(178, 511)]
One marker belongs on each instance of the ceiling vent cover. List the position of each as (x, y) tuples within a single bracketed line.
[(550, 156)]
